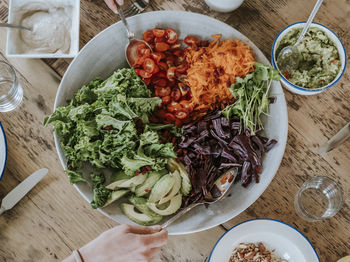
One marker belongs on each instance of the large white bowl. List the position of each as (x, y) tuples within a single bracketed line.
[(308, 91), (105, 53)]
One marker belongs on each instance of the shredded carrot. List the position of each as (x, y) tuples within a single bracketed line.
[(213, 69)]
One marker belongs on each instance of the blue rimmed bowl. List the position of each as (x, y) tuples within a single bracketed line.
[(3, 151), (286, 241), (308, 91)]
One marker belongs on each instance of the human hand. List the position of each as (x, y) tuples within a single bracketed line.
[(111, 4), (125, 243)]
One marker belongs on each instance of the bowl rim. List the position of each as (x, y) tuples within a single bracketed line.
[(5, 143), (263, 219), (315, 90)]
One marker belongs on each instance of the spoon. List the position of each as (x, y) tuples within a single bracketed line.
[(15, 26), (131, 48), (289, 57), (221, 186)]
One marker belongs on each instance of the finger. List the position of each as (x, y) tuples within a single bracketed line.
[(143, 230), (111, 5), (153, 252), (155, 240), (120, 2)]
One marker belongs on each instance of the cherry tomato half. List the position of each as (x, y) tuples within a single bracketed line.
[(157, 56), (176, 94), (170, 117), (158, 32), (176, 45), (187, 105), (163, 66), (162, 91), (171, 73), (181, 115), (174, 107), (149, 65), (142, 73), (148, 36), (191, 40), (166, 100), (162, 82), (161, 47), (171, 36), (182, 67), (159, 40)]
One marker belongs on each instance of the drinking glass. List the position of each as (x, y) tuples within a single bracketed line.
[(318, 198), (11, 93)]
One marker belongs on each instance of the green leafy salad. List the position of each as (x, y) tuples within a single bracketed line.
[(252, 97), (106, 125)]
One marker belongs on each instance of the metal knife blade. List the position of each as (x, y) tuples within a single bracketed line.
[(336, 140), (22, 189)]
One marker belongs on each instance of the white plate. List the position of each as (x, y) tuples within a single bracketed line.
[(105, 53), (3, 151), (286, 240)]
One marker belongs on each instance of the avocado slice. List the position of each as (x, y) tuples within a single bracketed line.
[(115, 195), (128, 183), (186, 183), (174, 190), (151, 180), (175, 204), (139, 218), (141, 204), (161, 188), (119, 175)]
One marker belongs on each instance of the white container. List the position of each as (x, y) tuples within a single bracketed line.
[(224, 5), (307, 91), (12, 45)]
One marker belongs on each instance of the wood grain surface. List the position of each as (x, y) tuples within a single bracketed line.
[(53, 219)]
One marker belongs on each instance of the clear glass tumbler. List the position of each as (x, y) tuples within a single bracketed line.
[(11, 93), (318, 198)]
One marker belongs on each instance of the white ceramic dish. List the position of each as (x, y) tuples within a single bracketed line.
[(306, 91), (105, 53), (11, 47), (3, 151), (224, 6), (286, 240)]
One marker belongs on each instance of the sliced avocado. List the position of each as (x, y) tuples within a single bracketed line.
[(115, 195), (140, 204), (161, 188), (186, 183), (174, 190), (175, 204), (151, 180), (139, 218), (119, 175), (128, 183)]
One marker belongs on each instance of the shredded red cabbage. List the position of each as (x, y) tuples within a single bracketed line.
[(213, 145)]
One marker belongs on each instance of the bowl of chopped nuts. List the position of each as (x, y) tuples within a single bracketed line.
[(263, 240)]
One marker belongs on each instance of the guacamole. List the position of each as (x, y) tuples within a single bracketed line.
[(320, 62)]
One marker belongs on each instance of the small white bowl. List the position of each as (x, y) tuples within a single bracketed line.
[(307, 91), (12, 34), (224, 6)]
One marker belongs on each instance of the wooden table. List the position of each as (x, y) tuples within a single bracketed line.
[(53, 219)]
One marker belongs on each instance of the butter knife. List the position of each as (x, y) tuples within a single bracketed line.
[(336, 140), (12, 198)]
